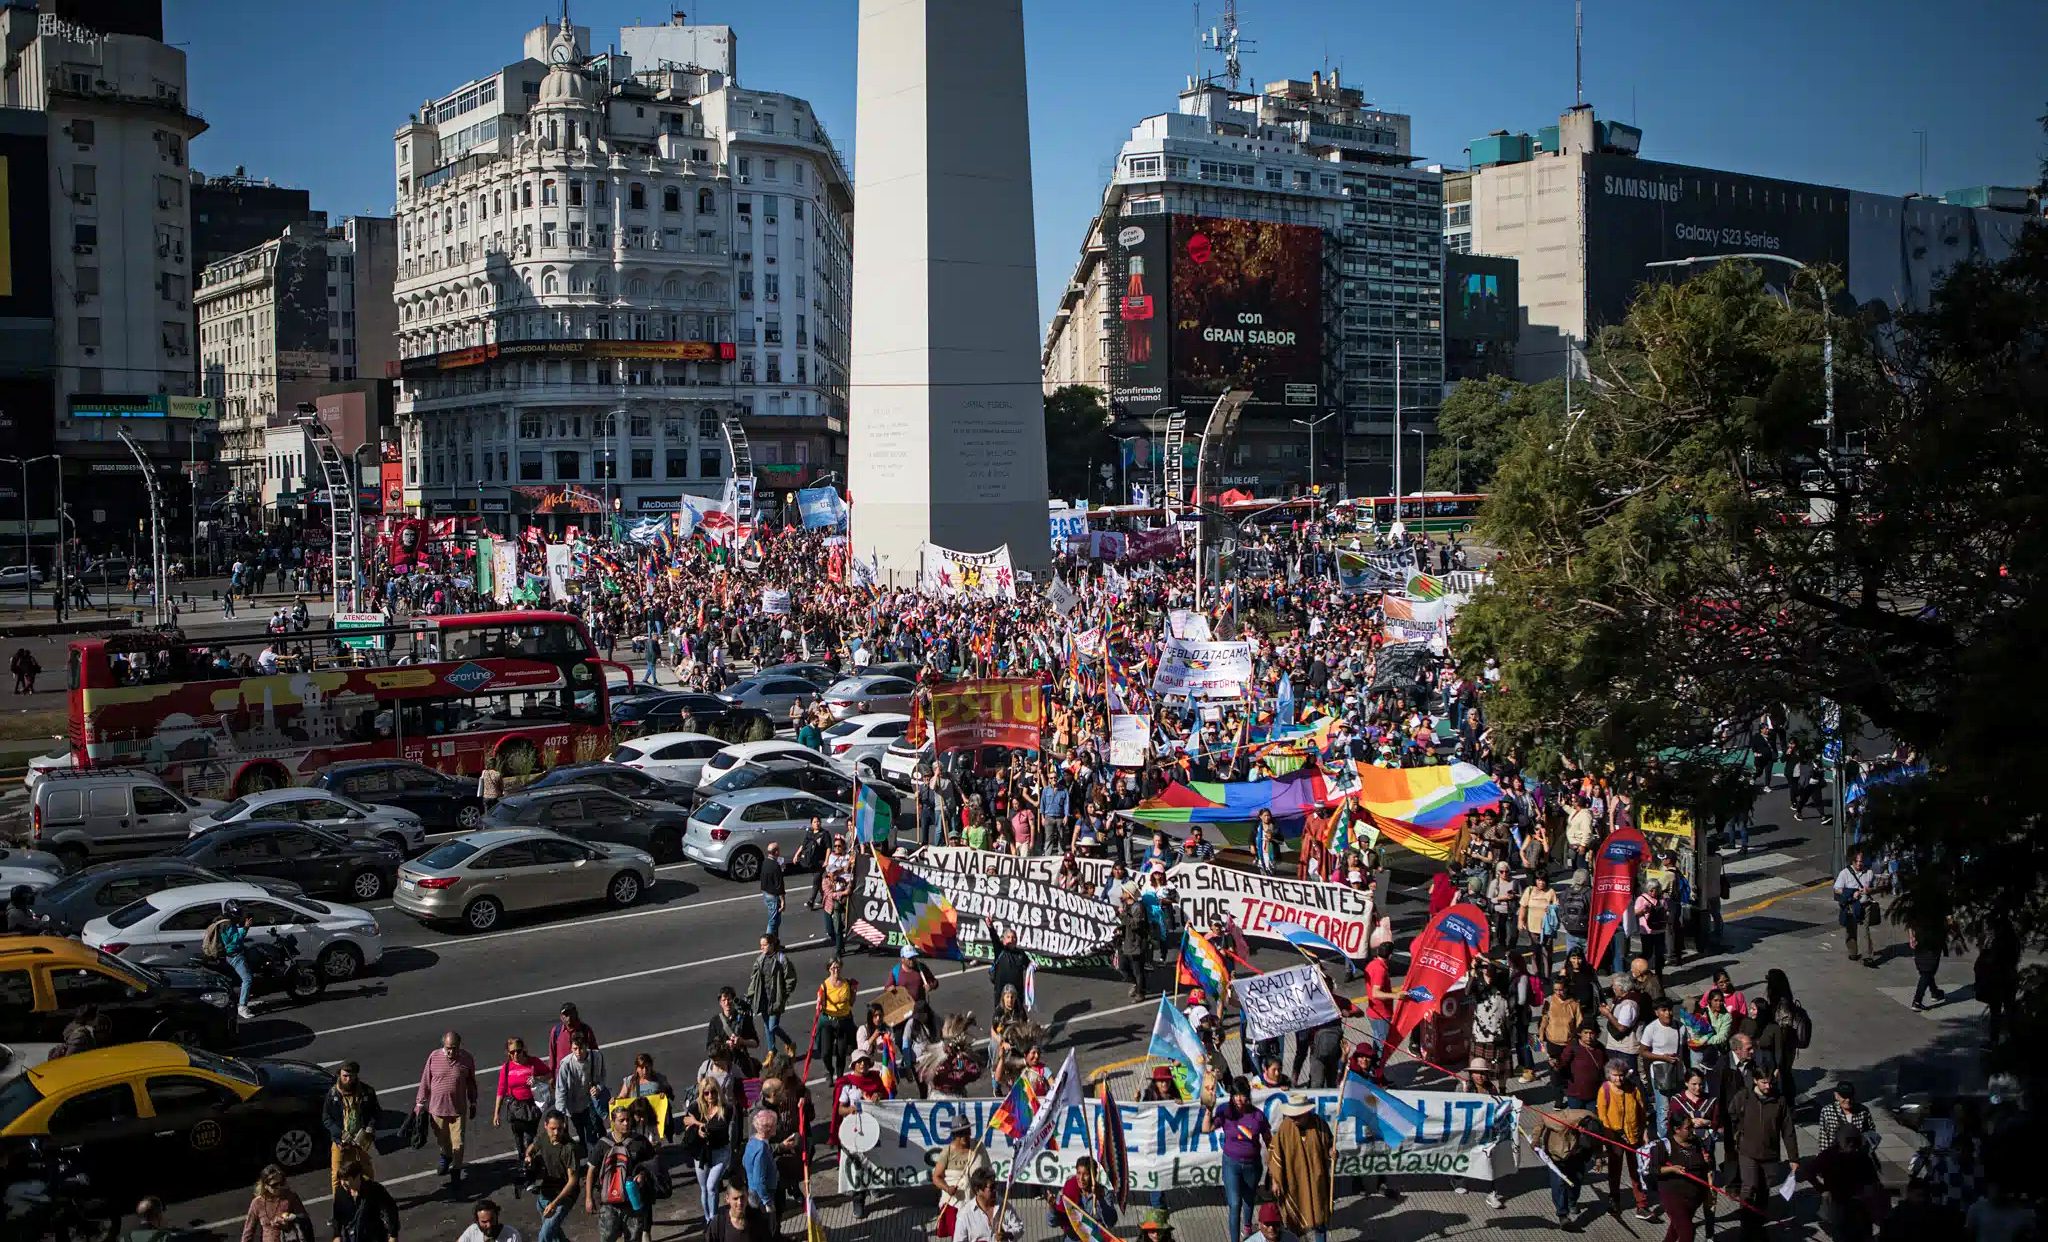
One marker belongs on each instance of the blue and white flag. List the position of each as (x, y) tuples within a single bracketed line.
[(821, 507), (647, 531), (1307, 941), (1397, 1122), (1283, 706), (1174, 1040)]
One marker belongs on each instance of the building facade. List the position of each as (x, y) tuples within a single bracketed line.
[(281, 322), (1330, 289), (599, 262), (119, 256), (1589, 222)]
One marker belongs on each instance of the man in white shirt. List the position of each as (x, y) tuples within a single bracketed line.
[(489, 1227), (982, 1219), (1662, 1045), (1855, 897)]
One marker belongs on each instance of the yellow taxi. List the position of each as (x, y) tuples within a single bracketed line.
[(147, 1111)]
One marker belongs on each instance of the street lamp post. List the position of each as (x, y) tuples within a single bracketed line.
[(1312, 424), (1458, 462), (28, 564)]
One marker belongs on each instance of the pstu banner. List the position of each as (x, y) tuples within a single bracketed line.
[(1203, 670), (946, 572), (1443, 1132), (996, 712), (1052, 924), (1281, 1002)]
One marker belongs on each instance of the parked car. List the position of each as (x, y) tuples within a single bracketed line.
[(669, 712), (37, 869), (19, 576), (676, 758), (819, 675), (154, 1114), (44, 979), (730, 833), (589, 813), (857, 743), (315, 859), (165, 928), (478, 878), (318, 807), (903, 765), (103, 888), (111, 572), (89, 814), (627, 782), (749, 752), (908, 670), (858, 696), (441, 801), (56, 759), (772, 694), (800, 775)]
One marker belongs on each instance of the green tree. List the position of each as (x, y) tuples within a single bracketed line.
[(1476, 426), (1691, 549), (1077, 440)]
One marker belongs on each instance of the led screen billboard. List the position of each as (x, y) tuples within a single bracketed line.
[(1139, 309), (1247, 306)]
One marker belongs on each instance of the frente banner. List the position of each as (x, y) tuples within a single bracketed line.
[(1053, 925)]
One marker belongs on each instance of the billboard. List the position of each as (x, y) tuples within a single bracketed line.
[(1139, 259), (24, 226), (1899, 249), (1247, 311), (1642, 212)]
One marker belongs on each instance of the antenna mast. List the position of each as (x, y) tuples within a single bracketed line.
[(1224, 38), (1579, 52)]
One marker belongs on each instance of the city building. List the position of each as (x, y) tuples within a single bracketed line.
[(111, 97), (281, 322), (1589, 221), (28, 499), (608, 263), (1285, 242), (1482, 315), (233, 212)]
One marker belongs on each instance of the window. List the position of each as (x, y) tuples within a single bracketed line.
[(643, 463), (671, 199), (518, 854), (708, 463), (87, 281), (172, 1094), (84, 1116), (768, 172), (568, 465), (526, 194), (530, 470), (706, 204), (575, 193), (547, 192), (85, 181), (82, 985), (636, 197), (150, 801), (530, 426), (84, 234), (89, 332), (81, 132), (675, 463), (639, 426)]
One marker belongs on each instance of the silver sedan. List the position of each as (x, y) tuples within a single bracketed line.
[(874, 692), (477, 879)]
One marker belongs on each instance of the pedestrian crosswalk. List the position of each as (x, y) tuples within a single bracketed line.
[(1752, 876)]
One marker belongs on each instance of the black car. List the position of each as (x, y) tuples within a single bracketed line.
[(617, 777), (690, 712), (820, 675), (590, 813), (440, 800), (105, 887), (313, 858), (44, 979), (830, 784)]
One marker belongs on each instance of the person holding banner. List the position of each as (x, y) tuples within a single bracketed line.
[(985, 1218)]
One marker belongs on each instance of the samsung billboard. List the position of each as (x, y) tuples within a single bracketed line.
[(1640, 212)]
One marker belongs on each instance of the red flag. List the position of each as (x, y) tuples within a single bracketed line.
[(1438, 959), (1614, 886)]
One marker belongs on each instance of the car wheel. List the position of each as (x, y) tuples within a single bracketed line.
[(340, 962), (304, 983), (469, 817), (482, 914), (366, 885), (744, 865), (293, 1149), (666, 847), (178, 1033), (72, 856), (624, 890), (869, 770)]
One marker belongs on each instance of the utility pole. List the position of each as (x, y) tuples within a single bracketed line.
[(156, 527), (1312, 424), (1397, 431)]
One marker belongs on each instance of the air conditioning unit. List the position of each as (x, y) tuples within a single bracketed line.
[(90, 351), (81, 249), (745, 179), (85, 199)]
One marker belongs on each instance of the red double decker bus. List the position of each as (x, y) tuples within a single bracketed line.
[(224, 716)]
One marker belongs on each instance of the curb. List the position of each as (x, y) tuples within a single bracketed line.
[(47, 629)]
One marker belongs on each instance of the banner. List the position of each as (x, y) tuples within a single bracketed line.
[(1614, 886), (1004, 712), (1062, 598), (1281, 1002), (558, 571), (1105, 545), (1130, 739), (1203, 670), (1449, 1133), (821, 508), (1052, 924), (1440, 958), (505, 570), (1257, 904), (1187, 623), (408, 547), (1066, 523), (946, 572), (1355, 574), (1413, 620), (774, 603)]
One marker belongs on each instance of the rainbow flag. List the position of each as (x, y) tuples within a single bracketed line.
[(1202, 966), (1012, 1117), (930, 923), (1424, 809), (1112, 1152)]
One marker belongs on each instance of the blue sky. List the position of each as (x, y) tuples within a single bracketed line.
[(1832, 91)]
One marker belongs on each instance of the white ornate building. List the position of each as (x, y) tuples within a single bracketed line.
[(597, 260)]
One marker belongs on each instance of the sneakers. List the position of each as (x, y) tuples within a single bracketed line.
[(441, 1166), (1494, 1201), (242, 1012), (1528, 1075), (1645, 1214)]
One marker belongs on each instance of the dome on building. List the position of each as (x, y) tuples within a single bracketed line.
[(567, 88)]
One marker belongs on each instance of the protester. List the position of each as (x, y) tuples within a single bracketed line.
[(447, 1097), (275, 1210)]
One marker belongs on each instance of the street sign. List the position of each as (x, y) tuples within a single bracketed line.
[(358, 621)]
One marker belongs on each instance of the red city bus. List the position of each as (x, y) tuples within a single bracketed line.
[(447, 691)]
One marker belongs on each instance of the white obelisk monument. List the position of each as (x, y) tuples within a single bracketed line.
[(947, 418)]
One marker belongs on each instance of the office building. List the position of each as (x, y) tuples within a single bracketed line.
[(1285, 242), (607, 268)]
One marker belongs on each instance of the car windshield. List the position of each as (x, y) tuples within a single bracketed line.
[(67, 888), (317, 907), (713, 812), (227, 1067), (740, 778), (446, 854), (232, 809), (195, 847), (131, 914), (16, 1098), (626, 754), (843, 728), (137, 969)]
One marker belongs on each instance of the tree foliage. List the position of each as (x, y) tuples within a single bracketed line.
[(1476, 426), (1077, 440), (1688, 552)]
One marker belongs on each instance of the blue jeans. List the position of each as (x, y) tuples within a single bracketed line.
[(1378, 1028), (1660, 1120), (1564, 1196), (551, 1226), (708, 1176), (772, 903), (1620, 954), (836, 934), (240, 965), (772, 1033), (1241, 1192)]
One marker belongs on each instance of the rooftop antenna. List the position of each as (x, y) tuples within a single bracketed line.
[(1578, 52), (1921, 188), (1224, 38)]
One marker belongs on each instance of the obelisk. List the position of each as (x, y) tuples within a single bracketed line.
[(947, 418)]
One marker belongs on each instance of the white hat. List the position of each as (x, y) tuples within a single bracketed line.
[(1297, 1107)]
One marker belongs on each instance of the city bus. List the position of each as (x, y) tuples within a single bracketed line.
[(1433, 513), (450, 692)]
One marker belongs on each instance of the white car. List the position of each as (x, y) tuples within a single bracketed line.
[(57, 760), (676, 758), (869, 694), (15, 575), (165, 928), (361, 820), (856, 744), (748, 752), (28, 868), (900, 761)]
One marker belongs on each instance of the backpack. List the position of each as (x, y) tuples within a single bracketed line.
[(615, 1171), (1575, 906), (1551, 919), (209, 943), (1793, 1016)]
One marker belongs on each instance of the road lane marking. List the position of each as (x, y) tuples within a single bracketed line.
[(456, 940), (1746, 863)]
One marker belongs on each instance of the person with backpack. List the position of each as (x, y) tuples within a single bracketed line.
[(1565, 1136), (1574, 908), (1538, 915), (1790, 1030), (225, 940), (620, 1191), (769, 987)]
